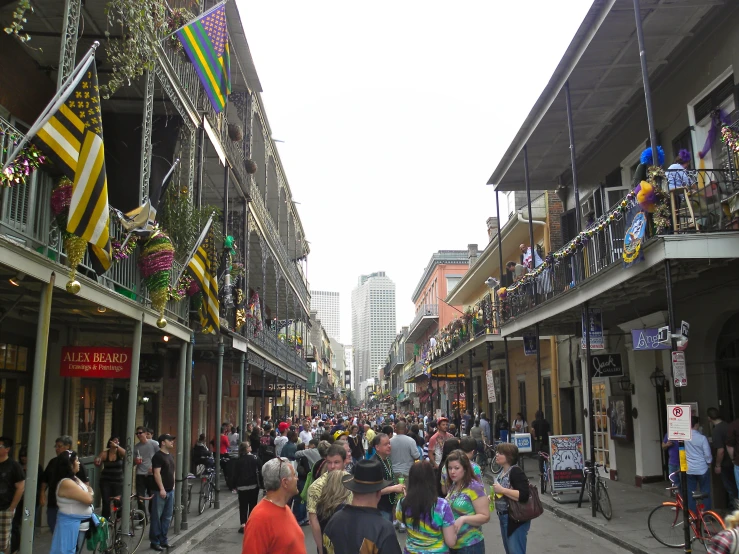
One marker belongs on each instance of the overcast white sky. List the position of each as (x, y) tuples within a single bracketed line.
[(393, 117)]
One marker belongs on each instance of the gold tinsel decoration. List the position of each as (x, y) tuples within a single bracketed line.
[(240, 318), (75, 247)]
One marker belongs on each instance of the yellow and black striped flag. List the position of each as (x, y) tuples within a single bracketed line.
[(73, 139), (203, 266)]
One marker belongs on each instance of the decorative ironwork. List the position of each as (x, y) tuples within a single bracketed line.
[(146, 126), (171, 84), (68, 50)]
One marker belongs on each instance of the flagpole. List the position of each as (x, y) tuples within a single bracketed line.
[(214, 8), (200, 240), (59, 98), (165, 181)]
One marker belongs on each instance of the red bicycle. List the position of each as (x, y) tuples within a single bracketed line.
[(666, 521)]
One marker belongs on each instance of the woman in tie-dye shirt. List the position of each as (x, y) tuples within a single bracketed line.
[(469, 446), (469, 503), (427, 518)]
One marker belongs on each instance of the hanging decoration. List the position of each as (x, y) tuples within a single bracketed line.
[(155, 265), (123, 251), (254, 312), (182, 289), (74, 246), (646, 196), (634, 240), (28, 161), (730, 137)]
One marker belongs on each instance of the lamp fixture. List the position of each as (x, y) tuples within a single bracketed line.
[(626, 385), (102, 309), (659, 379), (16, 281), (165, 338)]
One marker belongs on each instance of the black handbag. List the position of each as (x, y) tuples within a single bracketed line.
[(526, 511)]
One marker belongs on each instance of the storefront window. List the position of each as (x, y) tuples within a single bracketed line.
[(87, 421)]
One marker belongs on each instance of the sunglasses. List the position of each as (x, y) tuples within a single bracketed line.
[(140, 432)]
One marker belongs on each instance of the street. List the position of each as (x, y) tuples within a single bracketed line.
[(548, 534)]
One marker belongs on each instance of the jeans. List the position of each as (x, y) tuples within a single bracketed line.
[(51, 512), (300, 510), (477, 548), (145, 486), (161, 517), (247, 503), (704, 483), (516, 543)]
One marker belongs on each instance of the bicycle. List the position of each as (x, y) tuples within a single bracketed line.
[(545, 471), (120, 542), (603, 500), (190, 481), (666, 521), (490, 449), (207, 489)]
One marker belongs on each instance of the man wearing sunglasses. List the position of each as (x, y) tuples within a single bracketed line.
[(143, 452), (49, 480)]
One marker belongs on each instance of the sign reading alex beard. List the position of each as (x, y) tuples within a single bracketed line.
[(105, 362)]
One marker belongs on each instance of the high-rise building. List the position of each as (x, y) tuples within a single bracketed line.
[(373, 323), (327, 305)]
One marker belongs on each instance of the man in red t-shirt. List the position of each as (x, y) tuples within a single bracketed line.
[(225, 459), (436, 442), (271, 527)]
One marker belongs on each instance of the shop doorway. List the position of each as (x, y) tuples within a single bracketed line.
[(727, 366), (88, 425), (602, 439), (14, 401), (203, 407)]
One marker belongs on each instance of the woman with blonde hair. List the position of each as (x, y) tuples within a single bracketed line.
[(727, 541), (334, 497)]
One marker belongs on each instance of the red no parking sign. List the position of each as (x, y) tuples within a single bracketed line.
[(678, 422)]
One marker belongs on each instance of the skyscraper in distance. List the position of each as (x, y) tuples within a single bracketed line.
[(326, 303), (373, 323)]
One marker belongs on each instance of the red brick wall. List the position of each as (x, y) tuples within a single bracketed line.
[(555, 211)]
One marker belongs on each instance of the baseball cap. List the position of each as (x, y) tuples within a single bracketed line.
[(165, 437), (282, 426)]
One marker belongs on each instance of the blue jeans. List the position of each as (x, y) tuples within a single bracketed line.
[(161, 517), (477, 548), (516, 543), (704, 483)]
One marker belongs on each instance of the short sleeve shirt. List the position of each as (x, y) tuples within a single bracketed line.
[(11, 473), (475, 468), (427, 535), (165, 463), (718, 440), (315, 490), (461, 502)]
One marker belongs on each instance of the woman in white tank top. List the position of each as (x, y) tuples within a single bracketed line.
[(74, 499)]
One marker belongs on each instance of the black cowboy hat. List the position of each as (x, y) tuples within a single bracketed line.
[(368, 477)]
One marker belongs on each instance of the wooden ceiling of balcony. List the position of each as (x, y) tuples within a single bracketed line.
[(605, 86)]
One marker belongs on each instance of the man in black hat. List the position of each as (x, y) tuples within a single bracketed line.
[(374, 533), (162, 501)]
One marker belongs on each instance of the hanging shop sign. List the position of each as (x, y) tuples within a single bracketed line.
[(566, 462), (491, 385), (104, 362), (529, 344), (606, 365), (647, 339), (595, 321)]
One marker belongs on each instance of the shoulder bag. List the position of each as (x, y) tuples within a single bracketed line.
[(526, 511)]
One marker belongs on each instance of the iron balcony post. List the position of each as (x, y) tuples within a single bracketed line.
[(180, 470), (187, 431), (219, 408)]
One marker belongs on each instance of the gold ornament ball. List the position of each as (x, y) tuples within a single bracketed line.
[(73, 287), (161, 322)]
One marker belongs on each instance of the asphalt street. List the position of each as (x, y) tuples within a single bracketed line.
[(549, 534)]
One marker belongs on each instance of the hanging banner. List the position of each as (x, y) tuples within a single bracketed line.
[(633, 240), (103, 362), (529, 344), (566, 462), (595, 320), (491, 385)]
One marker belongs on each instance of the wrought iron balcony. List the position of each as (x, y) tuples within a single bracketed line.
[(26, 219), (700, 201), (268, 340), (426, 316)]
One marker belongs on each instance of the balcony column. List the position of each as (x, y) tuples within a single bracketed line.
[(278, 276), (539, 394), (187, 434), (200, 166), (263, 244), (295, 391), (37, 401), (242, 374), (277, 391), (180, 458), (301, 404), (68, 47), (489, 347), (264, 386), (507, 380), (245, 386), (146, 127), (469, 393), (219, 410), (458, 383), (531, 222), (591, 404), (645, 82)]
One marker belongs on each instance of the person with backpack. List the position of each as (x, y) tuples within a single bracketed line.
[(247, 480)]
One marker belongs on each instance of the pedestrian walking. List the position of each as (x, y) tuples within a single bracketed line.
[(344, 534), (162, 501), (436, 442), (12, 484), (355, 444), (247, 479), (511, 484), (271, 528), (111, 474), (143, 452), (427, 518), (383, 450), (470, 504), (698, 454), (336, 460)]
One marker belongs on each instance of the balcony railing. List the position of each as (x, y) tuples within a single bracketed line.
[(426, 310), (26, 218), (702, 201), (283, 351)]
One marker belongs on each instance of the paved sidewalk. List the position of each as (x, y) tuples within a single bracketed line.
[(631, 508), (195, 522)]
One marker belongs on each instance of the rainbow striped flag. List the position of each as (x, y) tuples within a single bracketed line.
[(205, 41)]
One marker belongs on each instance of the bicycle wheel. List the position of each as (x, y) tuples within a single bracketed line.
[(604, 501), (204, 499), (127, 543), (189, 499), (710, 525), (666, 525), (495, 467)]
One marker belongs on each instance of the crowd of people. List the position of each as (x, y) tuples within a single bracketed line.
[(330, 472)]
